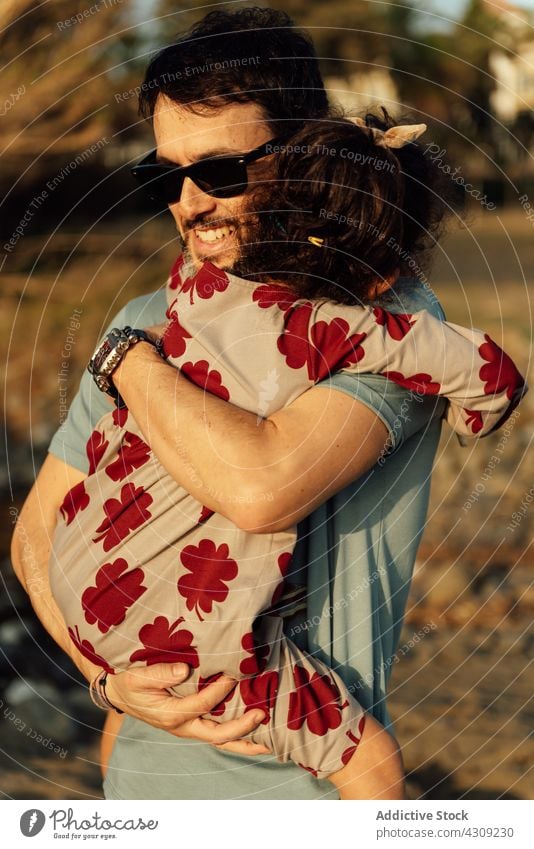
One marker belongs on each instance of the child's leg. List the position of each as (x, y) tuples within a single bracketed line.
[(375, 771), (312, 719), (112, 726)]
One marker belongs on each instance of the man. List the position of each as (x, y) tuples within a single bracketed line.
[(339, 460)]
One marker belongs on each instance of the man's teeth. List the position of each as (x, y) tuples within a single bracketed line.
[(214, 235)]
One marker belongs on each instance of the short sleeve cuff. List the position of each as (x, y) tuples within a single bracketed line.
[(402, 411)]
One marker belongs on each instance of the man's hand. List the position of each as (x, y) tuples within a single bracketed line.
[(142, 693)]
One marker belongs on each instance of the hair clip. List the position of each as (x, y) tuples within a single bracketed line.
[(316, 240)]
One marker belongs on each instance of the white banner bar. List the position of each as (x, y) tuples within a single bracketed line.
[(268, 825)]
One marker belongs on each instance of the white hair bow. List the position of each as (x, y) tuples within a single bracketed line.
[(395, 136)]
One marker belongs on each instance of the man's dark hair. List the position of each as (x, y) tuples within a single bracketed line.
[(250, 55)]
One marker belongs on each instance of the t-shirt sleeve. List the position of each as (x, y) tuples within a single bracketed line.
[(90, 404), (69, 441), (402, 411)]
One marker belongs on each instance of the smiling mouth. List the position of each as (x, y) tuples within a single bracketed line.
[(212, 235)]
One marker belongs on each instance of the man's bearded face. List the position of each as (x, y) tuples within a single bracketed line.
[(211, 228)]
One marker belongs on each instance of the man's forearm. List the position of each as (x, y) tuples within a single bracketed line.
[(218, 452), (30, 553)]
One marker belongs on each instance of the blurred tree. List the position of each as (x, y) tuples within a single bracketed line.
[(473, 39), (62, 63)]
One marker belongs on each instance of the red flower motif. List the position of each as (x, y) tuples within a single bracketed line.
[(316, 701), (396, 324), (260, 692), (115, 591), (174, 343), (211, 381), (205, 514), (421, 383), (120, 416), (258, 661), (76, 499), (95, 448), (323, 347), (208, 280), (171, 309), (283, 564), (164, 642), (123, 515), (474, 420), (86, 648), (175, 275), (500, 372), (348, 753), (294, 343), (335, 348), (219, 709), (132, 454), (210, 567), (270, 295), (309, 769)]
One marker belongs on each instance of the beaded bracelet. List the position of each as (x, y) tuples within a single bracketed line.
[(97, 692)]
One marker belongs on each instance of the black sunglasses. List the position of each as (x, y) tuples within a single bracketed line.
[(220, 176)]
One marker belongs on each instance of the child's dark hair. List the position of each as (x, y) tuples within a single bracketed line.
[(376, 209)]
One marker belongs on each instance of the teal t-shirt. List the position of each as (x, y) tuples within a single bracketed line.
[(355, 553)]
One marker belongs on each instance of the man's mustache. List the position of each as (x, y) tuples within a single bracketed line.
[(203, 222)]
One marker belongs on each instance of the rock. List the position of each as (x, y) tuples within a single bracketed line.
[(40, 706), (24, 690), (443, 585), (13, 632)]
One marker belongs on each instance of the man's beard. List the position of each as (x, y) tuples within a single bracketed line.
[(243, 262), (193, 258)]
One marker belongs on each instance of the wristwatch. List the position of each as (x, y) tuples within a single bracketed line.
[(109, 354)]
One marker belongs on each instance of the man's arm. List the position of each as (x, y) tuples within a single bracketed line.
[(30, 549), (264, 475)]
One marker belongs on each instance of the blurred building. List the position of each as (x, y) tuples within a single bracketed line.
[(364, 89), (511, 62), (514, 82)]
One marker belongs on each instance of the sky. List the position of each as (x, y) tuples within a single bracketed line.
[(454, 7)]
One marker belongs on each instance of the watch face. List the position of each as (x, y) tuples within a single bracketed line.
[(107, 357), (100, 355)]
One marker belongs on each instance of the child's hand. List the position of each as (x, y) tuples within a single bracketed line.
[(156, 331)]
